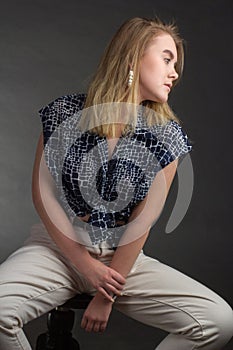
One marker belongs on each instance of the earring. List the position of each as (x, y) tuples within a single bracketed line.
[(130, 80)]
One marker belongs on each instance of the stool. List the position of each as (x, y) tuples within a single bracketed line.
[(60, 322)]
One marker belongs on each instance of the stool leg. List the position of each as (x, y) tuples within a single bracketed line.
[(59, 334)]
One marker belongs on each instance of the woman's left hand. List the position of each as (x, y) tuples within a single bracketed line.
[(96, 316)]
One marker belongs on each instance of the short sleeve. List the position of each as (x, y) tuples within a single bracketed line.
[(52, 117), (56, 133), (173, 143), (57, 111)]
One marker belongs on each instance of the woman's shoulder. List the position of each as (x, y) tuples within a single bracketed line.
[(67, 104), (172, 139), (170, 129), (59, 110)]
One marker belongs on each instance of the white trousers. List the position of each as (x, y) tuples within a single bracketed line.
[(37, 277)]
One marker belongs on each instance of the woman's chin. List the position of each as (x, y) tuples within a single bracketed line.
[(158, 99), (161, 99)]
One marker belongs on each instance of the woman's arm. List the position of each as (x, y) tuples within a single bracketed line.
[(97, 313), (142, 219), (105, 279)]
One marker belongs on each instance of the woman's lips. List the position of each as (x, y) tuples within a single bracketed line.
[(167, 86)]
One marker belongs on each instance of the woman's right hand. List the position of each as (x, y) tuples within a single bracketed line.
[(105, 280)]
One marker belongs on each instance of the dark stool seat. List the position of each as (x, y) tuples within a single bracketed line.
[(79, 301), (60, 322)]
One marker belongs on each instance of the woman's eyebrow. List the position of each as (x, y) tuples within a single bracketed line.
[(170, 53)]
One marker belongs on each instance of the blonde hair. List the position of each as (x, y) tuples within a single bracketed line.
[(110, 82)]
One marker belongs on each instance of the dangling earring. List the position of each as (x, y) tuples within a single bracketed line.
[(130, 80)]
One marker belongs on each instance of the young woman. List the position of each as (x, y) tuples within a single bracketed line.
[(104, 164)]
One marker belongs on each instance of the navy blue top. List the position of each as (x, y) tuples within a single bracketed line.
[(89, 183)]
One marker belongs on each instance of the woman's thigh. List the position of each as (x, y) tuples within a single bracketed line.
[(161, 296), (36, 278)]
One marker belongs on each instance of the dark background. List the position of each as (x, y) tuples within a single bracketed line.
[(50, 48)]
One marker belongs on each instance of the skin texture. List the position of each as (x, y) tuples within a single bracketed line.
[(156, 69), (96, 316), (104, 279)]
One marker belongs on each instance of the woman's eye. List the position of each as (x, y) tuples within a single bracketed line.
[(167, 60)]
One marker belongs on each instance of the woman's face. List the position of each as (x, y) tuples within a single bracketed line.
[(156, 70)]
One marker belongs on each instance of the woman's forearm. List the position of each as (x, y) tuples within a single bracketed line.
[(61, 230), (132, 241), (142, 218), (104, 279), (125, 255), (53, 216)]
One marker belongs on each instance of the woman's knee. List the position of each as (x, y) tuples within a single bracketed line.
[(225, 321), (10, 300), (9, 318), (218, 325)]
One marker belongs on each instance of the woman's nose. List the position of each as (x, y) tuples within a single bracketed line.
[(173, 74)]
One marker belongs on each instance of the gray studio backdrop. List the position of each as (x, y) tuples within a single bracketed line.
[(50, 48)]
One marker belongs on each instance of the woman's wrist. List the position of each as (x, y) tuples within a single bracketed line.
[(85, 263), (99, 296)]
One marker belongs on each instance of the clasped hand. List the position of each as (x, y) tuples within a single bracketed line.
[(104, 279), (107, 282), (96, 315)]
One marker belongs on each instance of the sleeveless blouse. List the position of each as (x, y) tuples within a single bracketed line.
[(88, 182)]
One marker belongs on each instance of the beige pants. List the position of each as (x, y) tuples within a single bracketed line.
[(37, 277)]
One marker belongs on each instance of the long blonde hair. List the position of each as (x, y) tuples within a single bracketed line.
[(110, 82)]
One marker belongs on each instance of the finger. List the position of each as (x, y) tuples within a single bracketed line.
[(89, 326), (96, 327), (105, 294), (118, 277), (116, 285), (84, 322), (112, 290), (103, 326)]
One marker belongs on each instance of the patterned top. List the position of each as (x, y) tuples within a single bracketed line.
[(88, 182)]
